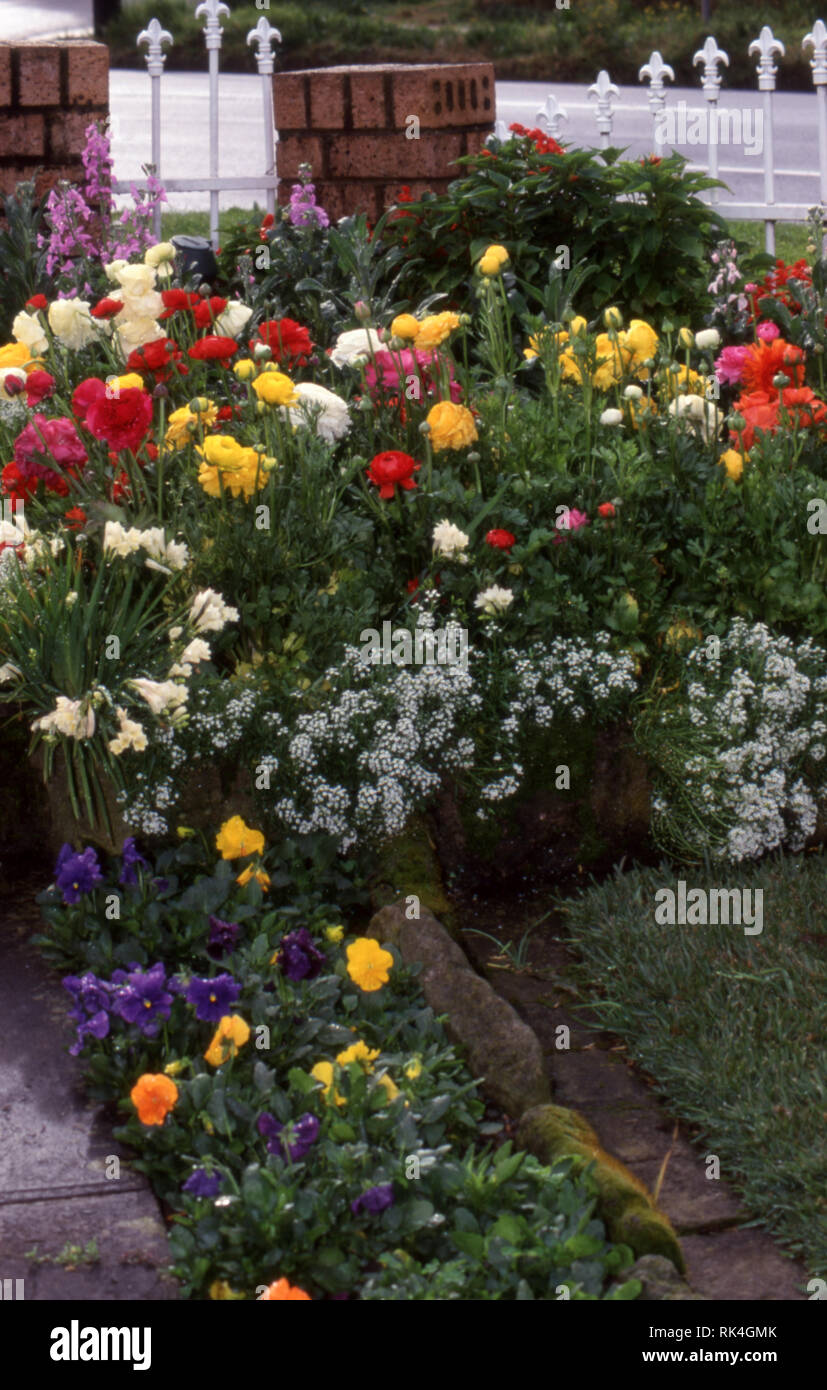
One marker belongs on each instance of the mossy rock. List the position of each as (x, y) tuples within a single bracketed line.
[(408, 865), (553, 1132)]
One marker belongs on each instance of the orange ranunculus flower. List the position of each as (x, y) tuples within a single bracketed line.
[(236, 840), (766, 360), (153, 1097), (434, 329), (452, 426), (283, 1291)]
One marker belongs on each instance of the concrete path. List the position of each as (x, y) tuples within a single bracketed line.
[(46, 19), (54, 1147)]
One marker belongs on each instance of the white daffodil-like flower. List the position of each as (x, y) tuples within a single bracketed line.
[(209, 612), (130, 735), (325, 412), (450, 542), (161, 695), (355, 346), (69, 718), (494, 600)]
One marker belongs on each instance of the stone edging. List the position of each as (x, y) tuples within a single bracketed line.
[(505, 1053)]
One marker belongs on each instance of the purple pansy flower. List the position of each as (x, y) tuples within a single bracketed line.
[(95, 1027), (374, 1201), (93, 1003), (212, 999), (203, 1184), (303, 1135), (299, 958), (129, 859), (76, 874), (222, 937), (144, 999)]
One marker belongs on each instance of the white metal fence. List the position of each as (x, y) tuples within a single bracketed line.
[(667, 121)]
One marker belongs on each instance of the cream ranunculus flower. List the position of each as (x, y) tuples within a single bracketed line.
[(233, 320), (355, 346), (113, 269), (450, 542), (164, 251), (611, 417), (708, 338), (141, 306), (72, 324), (134, 333), (325, 412), (136, 280), (28, 330)]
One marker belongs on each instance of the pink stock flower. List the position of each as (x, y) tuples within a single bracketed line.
[(729, 364)]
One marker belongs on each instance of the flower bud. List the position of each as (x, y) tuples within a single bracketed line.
[(362, 311), (199, 405), (160, 392), (262, 351), (612, 318), (780, 381), (424, 428), (686, 338)]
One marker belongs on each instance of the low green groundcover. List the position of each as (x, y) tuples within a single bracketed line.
[(732, 1025), (291, 1097)]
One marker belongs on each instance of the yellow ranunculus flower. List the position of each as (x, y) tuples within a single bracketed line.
[(680, 634), (132, 381), (611, 362), (493, 260), (261, 877), (323, 1071), (452, 426), (733, 462), (536, 342), (685, 383), (334, 934), (434, 329), (245, 368), (219, 1288), (405, 326), (274, 388), (358, 1052), (178, 431), (239, 473), (231, 1034), (235, 840), (368, 965), (641, 340), (16, 355)]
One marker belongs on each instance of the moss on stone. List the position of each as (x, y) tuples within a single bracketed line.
[(408, 865)]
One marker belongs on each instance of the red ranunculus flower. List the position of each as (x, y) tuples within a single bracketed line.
[(392, 467), (176, 300), (289, 341), (85, 393), (207, 310), (500, 540), (605, 509), (210, 348), (159, 359), (106, 309), (760, 412), (39, 385), (37, 301), (19, 487), (42, 444), (120, 486), (75, 518), (123, 422), (804, 405)]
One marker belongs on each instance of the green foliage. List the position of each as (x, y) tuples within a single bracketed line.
[(22, 261)]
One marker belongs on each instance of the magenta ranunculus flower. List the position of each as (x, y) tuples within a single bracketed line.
[(729, 364), (767, 331), (408, 375), (44, 443)]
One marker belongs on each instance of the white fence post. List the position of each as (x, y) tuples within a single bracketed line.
[(656, 71), (602, 92), (765, 46), (154, 36), (213, 9), (711, 55), (551, 114), (817, 40), (263, 36)]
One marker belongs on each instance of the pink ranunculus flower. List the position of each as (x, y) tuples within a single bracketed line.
[(729, 364), (574, 522), (406, 372), (44, 443), (767, 331)]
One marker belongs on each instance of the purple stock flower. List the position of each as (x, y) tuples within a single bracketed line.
[(299, 958), (374, 1201), (303, 210), (303, 1134), (143, 998), (203, 1184), (76, 874), (222, 937), (212, 999), (130, 858)]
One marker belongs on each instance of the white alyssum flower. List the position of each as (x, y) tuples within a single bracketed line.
[(494, 600), (209, 612), (322, 410), (449, 541)]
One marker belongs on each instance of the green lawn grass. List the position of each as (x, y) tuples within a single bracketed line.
[(732, 1027)]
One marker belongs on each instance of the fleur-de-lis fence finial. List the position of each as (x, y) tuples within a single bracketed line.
[(711, 55), (656, 72), (765, 46), (213, 10), (817, 40), (602, 92), (264, 36), (154, 36), (551, 114)]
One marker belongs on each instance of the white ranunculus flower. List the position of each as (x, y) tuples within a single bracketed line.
[(708, 338), (611, 417), (703, 415), (72, 324), (164, 251), (449, 541), (355, 346), (323, 409), (632, 393), (113, 270), (136, 280), (161, 695), (494, 600), (28, 330), (134, 333), (233, 320), (209, 612), (140, 306)]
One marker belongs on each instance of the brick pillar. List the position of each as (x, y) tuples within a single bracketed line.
[(49, 94), (355, 127)]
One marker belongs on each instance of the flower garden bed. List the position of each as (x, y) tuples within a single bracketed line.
[(418, 517)]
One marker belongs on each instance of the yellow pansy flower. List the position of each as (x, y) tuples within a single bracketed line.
[(235, 840), (323, 1071), (231, 1034), (368, 965)]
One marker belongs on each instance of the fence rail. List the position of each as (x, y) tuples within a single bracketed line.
[(603, 93)]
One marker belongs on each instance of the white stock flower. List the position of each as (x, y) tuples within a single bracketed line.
[(233, 320), (72, 323), (130, 735), (449, 541), (494, 600), (161, 695), (67, 718), (209, 612), (28, 330), (708, 338), (611, 417), (326, 411), (355, 346)]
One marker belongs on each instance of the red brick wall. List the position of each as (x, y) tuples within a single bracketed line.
[(350, 124), (49, 94)]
